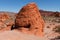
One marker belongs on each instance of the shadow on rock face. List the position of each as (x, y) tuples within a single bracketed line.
[(17, 27)]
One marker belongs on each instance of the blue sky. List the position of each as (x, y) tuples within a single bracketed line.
[(16, 5)]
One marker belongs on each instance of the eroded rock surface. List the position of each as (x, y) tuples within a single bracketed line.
[(5, 22), (29, 20)]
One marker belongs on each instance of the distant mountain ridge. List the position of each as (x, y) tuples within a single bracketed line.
[(43, 13), (49, 13)]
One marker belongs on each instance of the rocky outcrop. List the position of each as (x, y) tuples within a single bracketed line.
[(29, 20), (5, 22), (3, 17)]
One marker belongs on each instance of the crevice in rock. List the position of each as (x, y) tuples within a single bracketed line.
[(27, 26)]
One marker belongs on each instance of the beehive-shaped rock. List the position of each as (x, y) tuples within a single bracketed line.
[(29, 20)]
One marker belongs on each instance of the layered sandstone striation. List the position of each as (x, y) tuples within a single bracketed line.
[(29, 20), (5, 23)]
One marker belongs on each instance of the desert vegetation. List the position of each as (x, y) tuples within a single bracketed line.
[(56, 38), (57, 29)]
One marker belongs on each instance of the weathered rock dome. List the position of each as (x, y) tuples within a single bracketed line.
[(29, 20)]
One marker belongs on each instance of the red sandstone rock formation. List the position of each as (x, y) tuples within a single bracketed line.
[(5, 23), (29, 20), (3, 17)]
